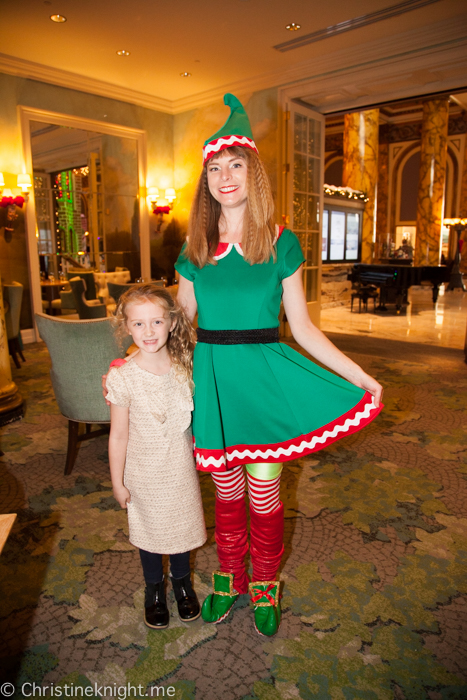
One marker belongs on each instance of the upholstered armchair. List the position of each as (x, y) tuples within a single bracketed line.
[(86, 309), (116, 290), (89, 282), (81, 352)]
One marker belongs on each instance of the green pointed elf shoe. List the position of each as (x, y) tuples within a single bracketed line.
[(265, 598), (218, 604)]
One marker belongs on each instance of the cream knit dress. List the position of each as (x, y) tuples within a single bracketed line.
[(165, 514)]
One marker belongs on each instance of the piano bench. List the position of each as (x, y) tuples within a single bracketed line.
[(363, 294)]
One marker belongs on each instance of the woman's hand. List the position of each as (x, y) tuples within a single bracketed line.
[(104, 376), (315, 342), (122, 495), (104, 388), (372, 386)]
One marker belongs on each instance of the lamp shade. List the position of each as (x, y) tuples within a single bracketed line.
[(153, 192), (170, 194), (24, 181), (2, 181)]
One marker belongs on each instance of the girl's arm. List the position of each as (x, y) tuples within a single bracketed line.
[(315, 342), (118, 441), (186, 297)]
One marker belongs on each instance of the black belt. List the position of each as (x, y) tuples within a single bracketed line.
[(250, 335)]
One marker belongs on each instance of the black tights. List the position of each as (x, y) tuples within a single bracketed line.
[(152, 565)]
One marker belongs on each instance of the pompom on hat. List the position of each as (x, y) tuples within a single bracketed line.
[(235, 132)]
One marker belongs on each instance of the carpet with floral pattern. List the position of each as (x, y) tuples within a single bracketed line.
[(374, 572)]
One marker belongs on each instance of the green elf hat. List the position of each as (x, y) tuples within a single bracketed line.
[(235, 132)]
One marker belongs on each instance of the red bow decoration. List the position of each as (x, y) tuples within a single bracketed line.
[(161, 210), (257, 594), (7, 201)]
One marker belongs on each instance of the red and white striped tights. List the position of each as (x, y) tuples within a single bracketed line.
[(263, 494)]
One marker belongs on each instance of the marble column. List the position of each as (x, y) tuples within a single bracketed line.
[(360, 171), (10, 400), (430, 201), (382, 222)]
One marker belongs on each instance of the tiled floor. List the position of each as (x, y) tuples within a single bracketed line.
[(443, 323)]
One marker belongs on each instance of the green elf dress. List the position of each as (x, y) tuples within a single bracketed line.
[(260, 402)]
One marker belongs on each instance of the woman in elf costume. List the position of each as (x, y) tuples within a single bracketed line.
[(258, 403)]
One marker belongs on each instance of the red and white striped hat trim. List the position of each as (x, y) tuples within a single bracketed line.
[(227, 142)]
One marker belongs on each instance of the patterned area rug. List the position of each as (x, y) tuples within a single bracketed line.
[(374, 572)]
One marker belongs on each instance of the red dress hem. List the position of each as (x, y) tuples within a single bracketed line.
[(354, 420)]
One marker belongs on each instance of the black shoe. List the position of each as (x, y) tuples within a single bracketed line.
[(156, 614), (187, 601)]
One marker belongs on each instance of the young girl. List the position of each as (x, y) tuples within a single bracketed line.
[(150, 446)]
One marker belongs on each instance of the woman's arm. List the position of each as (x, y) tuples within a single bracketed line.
[(186, 297), (118, 441), (315, 342)]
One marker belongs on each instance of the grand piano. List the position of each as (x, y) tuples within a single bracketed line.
[(393, 281)]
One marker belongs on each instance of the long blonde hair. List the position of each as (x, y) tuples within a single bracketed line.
[(182, 338), (258, 226)]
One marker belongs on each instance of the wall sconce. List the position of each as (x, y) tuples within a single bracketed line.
[(161, 205), (24, 181), (7, 199), (153, 196)]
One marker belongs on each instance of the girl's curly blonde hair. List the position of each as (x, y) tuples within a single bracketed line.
[(182, 339)]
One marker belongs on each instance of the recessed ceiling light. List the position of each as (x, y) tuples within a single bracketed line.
[(293, 27), (58, 18), (122, 52), (185, 75)]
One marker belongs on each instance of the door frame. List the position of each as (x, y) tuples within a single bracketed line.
[(31, 114), (288, 106)]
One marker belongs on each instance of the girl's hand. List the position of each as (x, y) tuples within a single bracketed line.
[(122, 495)]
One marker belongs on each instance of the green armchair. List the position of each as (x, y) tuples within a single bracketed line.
[(116, 290), (86, 309), (81, 352)]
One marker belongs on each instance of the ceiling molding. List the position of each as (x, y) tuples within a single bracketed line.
[(74, 81), (351, 24), (330, 72)]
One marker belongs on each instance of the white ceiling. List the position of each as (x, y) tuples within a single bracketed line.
[(227, 46)]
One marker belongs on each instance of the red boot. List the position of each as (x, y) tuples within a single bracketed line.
[(232, 540), (232, 546), (266, 543)]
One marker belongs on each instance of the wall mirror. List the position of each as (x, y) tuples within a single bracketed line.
[(86, 196), (87, 209)]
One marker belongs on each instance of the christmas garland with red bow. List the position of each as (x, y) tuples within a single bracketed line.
[(8, 201)]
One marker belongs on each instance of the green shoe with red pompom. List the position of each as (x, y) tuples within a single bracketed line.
[(265, 597), (218, 604)]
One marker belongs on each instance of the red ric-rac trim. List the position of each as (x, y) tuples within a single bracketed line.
[(355, 419)]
